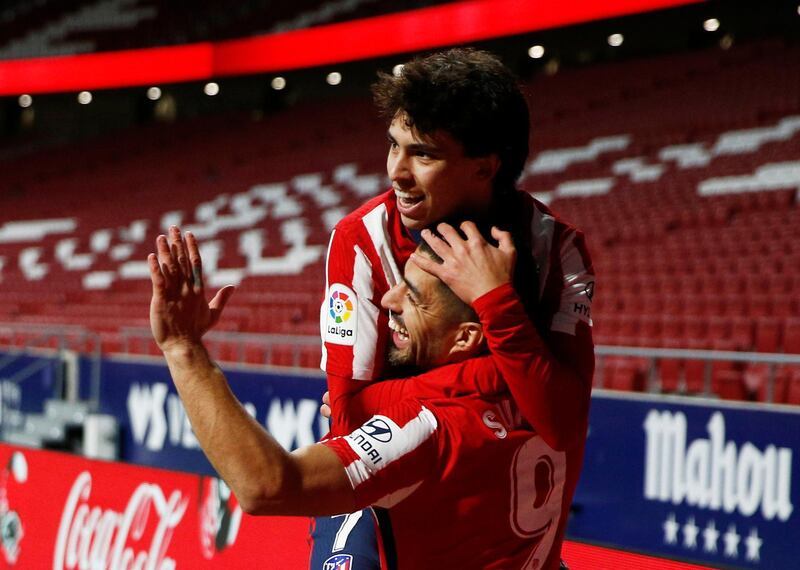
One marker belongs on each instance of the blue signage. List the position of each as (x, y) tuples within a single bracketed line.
[(154, 427), (692, 479), (26, 381)]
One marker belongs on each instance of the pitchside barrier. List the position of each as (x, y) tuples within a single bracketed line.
[(691, 478), (696, 479), (65, 512), (154, 427)]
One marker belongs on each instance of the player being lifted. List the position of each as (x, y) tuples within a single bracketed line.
[(458, 141), (433, 442)]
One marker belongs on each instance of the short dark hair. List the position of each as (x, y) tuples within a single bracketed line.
[(457, 309), (467, 93)]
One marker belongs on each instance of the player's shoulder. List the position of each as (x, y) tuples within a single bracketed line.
[(539, 211), (551, 227), (354, 221)]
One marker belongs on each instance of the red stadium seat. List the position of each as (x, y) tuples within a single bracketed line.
[(730, 385), (669, 373), (695, 376), (793, 388), (768, 335), (791, 336)]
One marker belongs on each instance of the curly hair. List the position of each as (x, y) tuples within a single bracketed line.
[(467, 93)]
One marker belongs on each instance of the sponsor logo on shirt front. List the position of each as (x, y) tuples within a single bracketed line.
[(340, 322)]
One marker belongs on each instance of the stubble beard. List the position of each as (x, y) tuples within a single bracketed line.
[(400, 363)]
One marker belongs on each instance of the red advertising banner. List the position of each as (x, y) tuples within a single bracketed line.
[(407, 31), (65, 512)]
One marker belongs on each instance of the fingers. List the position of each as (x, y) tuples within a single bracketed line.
[(451, 236), (156, 277), (427, 264), (325, 408), (438, 245), (195, 262), (325, 411), (178, 248), (471, 231), (217, 304), (169, 267), (504, 239)]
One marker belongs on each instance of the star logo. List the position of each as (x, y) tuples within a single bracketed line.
[(690, 531), (671, 528), (710, 537), (731, 538), (753, 544)]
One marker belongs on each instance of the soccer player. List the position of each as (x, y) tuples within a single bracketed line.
[(458, 141), (432, 445)]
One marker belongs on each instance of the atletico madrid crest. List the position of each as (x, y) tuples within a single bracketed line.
[(338, 562)]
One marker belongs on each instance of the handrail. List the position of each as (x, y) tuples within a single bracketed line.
[(141, 332), (696, 354), (707, 356), (268, 340)]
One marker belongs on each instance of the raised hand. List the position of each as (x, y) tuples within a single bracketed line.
[(179, 313), (472, 267)]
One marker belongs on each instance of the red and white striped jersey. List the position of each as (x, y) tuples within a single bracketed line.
[(478, 466), (366, 255), (466, 483)]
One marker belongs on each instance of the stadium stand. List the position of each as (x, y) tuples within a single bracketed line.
[(35, 29), (683, 176)]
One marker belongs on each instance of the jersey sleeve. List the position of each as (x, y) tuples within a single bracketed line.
[(570, 286), (550, 393), (475, 375), (350, 319), (564, 290), (388, 457)]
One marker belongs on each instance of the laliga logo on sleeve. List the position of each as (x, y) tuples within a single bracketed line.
[(340, 326)]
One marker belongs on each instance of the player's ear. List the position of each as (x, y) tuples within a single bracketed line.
[(487, 166), (469, 341)]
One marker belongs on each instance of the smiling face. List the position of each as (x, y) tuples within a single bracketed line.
[(433, 179), (429, 324)]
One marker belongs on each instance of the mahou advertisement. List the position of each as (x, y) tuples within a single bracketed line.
[(712, 482), (64, 512)]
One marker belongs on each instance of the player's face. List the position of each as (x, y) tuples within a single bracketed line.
[(422, 328), (433, 179)]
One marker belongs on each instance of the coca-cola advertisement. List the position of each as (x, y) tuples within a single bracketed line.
[(64, 512)]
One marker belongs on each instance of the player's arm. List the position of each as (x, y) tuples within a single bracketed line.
[(395, 450), (551, 394), (478, 374), (353, 335), (264, 477)]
